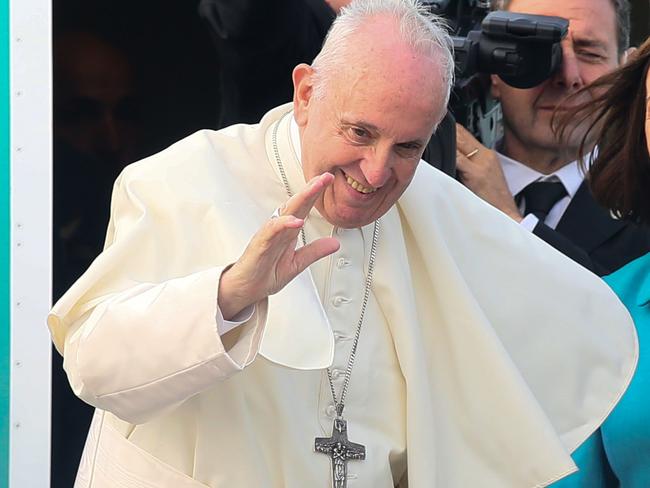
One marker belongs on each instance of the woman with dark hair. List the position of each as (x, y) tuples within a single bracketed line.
[(618, 123), (619, 126)]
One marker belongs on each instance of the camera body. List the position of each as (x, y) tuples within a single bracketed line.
[(523, 50)]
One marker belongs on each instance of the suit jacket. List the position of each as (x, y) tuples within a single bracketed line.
[(500, 383), (588, 234)]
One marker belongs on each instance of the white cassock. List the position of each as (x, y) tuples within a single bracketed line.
[(485, 356)]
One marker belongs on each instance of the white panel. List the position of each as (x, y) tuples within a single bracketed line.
[(31, 163)]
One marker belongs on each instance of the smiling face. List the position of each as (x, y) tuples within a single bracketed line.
[(589, 51), (370, 125)]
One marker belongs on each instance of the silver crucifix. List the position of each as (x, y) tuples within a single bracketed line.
[(340, 451)]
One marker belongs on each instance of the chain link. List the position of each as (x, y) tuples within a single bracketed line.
[(368, 285)]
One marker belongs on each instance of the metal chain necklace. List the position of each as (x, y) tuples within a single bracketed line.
[(337, 446)]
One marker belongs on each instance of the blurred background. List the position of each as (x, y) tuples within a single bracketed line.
[(130, 78)]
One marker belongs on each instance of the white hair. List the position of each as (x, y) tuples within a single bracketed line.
[(425, 33)]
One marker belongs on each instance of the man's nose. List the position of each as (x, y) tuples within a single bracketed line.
[(568, 74), (377, 165)]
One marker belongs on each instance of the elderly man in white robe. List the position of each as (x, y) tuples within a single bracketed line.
[(301, 303)]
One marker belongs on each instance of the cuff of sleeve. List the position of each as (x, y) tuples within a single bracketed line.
[(167, 392), (242, 353), (224, 326)]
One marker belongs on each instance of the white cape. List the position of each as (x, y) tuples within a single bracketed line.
[(512, 354)]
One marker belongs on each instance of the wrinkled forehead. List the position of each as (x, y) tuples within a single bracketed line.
[(591, 19), (404, 84)]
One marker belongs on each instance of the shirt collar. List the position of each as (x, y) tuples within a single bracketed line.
[(518, 176)]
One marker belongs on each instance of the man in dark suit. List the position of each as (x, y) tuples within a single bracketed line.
[(535, 178)]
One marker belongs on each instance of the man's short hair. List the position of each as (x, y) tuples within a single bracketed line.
[(426, 33), (622, 10)]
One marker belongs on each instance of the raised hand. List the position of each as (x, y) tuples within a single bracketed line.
[(480, 171), (271, 259)]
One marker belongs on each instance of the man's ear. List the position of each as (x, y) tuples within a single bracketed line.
[(627, 54), (303, 88), (495, 86)]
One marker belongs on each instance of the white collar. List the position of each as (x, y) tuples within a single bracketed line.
[(519, 176)]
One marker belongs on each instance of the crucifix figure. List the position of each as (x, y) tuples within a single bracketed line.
[(340, 450)]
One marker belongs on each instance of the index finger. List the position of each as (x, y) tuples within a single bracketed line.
[(302, 202), (465, 141)]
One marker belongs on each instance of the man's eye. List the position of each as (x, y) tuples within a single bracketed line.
[(591, 56), (359, 133), (410, 146), (409, 149)]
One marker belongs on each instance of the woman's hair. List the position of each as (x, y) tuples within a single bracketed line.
[(619, 175)]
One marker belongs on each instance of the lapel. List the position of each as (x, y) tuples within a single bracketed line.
[(586, 223)]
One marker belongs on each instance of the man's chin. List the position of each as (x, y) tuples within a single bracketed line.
[(351, 220)]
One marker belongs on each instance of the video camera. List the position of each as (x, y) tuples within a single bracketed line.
[(523, 50)]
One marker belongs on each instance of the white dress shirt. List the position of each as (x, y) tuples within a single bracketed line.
[(519, 176)]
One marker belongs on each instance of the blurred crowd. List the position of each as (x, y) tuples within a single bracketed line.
[(132, 78)]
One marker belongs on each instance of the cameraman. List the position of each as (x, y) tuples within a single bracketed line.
[(534, 178)]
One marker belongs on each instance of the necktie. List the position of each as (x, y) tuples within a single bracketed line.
[(540, 196)]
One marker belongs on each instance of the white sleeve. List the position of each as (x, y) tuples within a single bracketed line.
[(138, 330), (152, 346)]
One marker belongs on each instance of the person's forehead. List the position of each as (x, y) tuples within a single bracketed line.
[(588, 19), (373, 92)]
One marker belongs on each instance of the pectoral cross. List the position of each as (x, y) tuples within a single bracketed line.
[(340, 450)]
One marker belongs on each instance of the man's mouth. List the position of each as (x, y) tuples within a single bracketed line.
[(358, 186)]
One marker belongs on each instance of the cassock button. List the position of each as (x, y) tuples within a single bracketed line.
[(342, 263), (338, 301), (330, 411), (336, 374), (338, 337)]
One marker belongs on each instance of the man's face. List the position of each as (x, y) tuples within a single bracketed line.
[(369, 130), (589, 51)]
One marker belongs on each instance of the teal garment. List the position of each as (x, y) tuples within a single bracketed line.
[(619, 453)]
